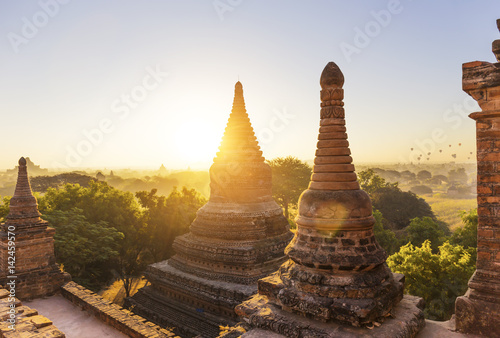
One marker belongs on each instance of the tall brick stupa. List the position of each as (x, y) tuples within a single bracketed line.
[(478, 311), (27, 245), (238, 237), (336, 282)]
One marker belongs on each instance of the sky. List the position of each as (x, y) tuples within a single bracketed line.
[(122, 83)]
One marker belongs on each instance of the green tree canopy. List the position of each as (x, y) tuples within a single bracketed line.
[(385, 237), (4, 207), (466, 235), (426, 228), (84, 248), (397, 207), (436, 277), (101, 202), (168, 217), (400, 207), (371, 182), (458, 176), (423, 175), (290, 178)]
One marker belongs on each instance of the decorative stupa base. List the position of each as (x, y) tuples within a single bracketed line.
[(335, 298), (478, 311), (193, 305), (405, 320), (36, 272)]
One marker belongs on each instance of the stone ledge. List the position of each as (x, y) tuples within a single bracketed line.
[(407, 321), (28, 322), (115, 316)]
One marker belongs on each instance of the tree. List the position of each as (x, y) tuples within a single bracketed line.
[(290, 178), (101, 202), (466, 235), (458, 176), (42, 183), (423, 229), (397, 207), (83, 248), (408, 175), (168, 217), (400, 207), (424, 175), (385, 237), (436, 277), (421, 190), (371, 182), (4, 207)]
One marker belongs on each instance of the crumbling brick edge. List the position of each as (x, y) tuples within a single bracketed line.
[(112, 314)]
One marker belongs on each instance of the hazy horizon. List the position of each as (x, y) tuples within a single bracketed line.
[(122, 83)]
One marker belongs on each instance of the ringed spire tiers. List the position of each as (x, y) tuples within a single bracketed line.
[(336, 276), (23, 207), (239, 143), (35, 271), (238, 237)]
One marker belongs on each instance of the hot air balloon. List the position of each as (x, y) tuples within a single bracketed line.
[(427, 159), (411, 149), (459, 144), (440, 151), (471, 152), (428, 153), (454, 155), (449, 145)]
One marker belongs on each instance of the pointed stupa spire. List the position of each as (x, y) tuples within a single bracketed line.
[(337, 270), (239, 143), (23, 205), (333, 169)]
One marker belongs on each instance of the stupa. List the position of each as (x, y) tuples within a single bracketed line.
[(238, 237), (336, 282), (27, 262)]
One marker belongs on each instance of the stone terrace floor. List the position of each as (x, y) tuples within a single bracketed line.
[(71, 320)]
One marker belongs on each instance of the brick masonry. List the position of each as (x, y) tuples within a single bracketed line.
[(27, 245), (113, 315), (28, 322), (478, 311)]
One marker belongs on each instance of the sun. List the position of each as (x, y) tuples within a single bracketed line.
[(197, 142)]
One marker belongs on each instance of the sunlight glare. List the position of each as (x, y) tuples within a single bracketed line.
[(197, 142)]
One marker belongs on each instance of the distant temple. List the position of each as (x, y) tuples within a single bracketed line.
[(29, 241), (162, 171), (336, 282), (34, 169), (237, 238)]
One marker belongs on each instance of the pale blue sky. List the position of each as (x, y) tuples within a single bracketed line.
[(69, 76)]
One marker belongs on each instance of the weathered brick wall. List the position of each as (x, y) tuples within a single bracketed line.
[(35, 265), (488, 193), (478, 311), (28, 322), (123, 320)]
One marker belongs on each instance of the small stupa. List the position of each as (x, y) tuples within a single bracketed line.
[(336, 282), (27, 245), (238, 237)]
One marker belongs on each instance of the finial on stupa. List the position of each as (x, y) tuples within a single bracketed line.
[(496, 44), (23, 208), (239, 143)]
